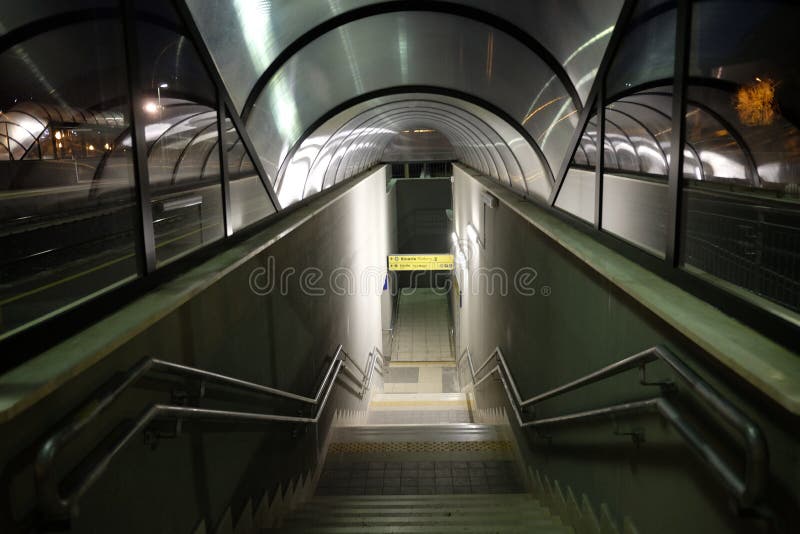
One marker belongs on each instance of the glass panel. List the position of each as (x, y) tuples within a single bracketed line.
[(17, 14), (577, 193), (67, 202), (181, 133), (638, 129), (742, 212), (578, 190), (249, 199), (714, 150), (647, 52), (635, 209)]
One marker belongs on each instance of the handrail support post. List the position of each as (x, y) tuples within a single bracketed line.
[(667, 386), (746, 487)]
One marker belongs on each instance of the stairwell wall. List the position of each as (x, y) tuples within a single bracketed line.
[(327, 260), (567, 321)]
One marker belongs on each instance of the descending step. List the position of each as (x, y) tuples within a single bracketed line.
[(450, 436), (421, 478), (418, 408), (499, 513), (420, 465)]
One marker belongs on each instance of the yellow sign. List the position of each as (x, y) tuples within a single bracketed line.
[(421, 262)]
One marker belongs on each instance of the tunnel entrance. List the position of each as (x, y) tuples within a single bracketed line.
[(423, 322), (421, 383), (423, 227)]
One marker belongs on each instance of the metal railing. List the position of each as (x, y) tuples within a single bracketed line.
[(747, 487), (395, 316), (54, 504), (365, 379), (421, 169)]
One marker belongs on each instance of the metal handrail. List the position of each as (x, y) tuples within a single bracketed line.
[(393, 327), (378, 360), (381, 357), (366, 375), (54, 504), (747, 487)]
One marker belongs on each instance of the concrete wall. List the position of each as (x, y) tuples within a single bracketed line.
[(577, 322), (421, 215), (389, 297), (280, 339), (422, 224)]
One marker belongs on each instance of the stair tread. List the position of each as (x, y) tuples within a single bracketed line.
[(500, 497), (443, 529), (422, 514), (404, 505), (376, 457), (513, 517), (398, 514), (400, 505), (451, 432)]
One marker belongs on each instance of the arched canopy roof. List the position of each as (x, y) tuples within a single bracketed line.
[(355, 138), (572, 33), (530, 64)]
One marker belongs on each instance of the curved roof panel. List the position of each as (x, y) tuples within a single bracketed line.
[(356, 138), (470, 57), (291, 68), (574, 32)]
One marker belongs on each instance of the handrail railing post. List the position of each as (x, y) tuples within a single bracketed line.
[(747, 488), (53, 504)]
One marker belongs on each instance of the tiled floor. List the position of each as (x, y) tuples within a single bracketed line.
[(422, 331), (424, 378), (418, 477), (420, 393), (406, 459)]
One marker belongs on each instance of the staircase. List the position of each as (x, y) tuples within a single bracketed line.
[(416, 462), (453, 477)]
